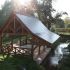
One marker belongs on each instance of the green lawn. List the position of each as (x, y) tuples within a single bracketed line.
[(18, 62)]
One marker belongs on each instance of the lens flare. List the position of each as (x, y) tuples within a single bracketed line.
[(24, 2)]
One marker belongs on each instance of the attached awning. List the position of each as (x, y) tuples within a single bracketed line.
[(38, 28)]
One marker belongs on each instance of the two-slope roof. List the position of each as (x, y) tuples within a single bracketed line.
[(38, 28)]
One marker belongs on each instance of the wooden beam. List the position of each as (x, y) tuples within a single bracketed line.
[(7, 25), (35, 47)]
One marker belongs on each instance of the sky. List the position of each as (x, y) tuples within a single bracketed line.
[(62, 6), (1, 2), (59, 5)]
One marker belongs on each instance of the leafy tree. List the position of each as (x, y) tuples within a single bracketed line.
[(44, 10), (58, 21), (67, 22), (5, 12)]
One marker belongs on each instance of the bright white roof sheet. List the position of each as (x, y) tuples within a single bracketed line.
[(38, 28)]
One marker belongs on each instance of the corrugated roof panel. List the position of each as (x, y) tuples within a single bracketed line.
[(38, 28)]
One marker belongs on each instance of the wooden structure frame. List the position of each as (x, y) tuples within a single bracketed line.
[(14, 26)]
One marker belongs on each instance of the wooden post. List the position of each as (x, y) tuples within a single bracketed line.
[(20, 41), (10, 47), (26, 39), (44, 48), (12, 42), (32, 51), (39, 50)]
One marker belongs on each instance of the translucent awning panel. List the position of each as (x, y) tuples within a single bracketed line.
[(38, 28)]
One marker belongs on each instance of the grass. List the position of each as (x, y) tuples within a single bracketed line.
[(18, 62)]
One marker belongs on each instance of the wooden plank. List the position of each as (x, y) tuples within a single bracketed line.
[(39, 59)]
